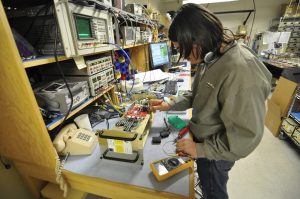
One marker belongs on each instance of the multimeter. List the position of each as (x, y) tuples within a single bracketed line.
[(165, 168)]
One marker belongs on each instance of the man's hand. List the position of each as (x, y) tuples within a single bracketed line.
[(158, 104), (186, 146)]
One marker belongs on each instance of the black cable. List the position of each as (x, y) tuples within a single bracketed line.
[(6, 165), (253, 19), (63, 76)]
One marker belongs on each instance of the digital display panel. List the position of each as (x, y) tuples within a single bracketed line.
[(83, 27), (159, 54)]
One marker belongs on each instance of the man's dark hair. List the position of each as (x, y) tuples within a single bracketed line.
[(195, 25)]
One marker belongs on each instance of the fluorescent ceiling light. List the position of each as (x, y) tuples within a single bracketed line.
[(205, 1)]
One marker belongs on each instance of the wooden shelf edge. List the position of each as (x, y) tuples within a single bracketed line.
[(90, 184), (42, 61), (48, 60), (58, 122), (132, 46)]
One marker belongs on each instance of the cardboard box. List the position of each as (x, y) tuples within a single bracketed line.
[(279, 104), (283, 94), (273, 118)]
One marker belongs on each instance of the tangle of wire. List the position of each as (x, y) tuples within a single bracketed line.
[(170, 141), (128, 16), (132, 70), (124, 52)]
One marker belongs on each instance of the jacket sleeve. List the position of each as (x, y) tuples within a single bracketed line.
[(243, 116), (181, 103)]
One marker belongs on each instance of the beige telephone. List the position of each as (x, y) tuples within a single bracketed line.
[(75, 141)]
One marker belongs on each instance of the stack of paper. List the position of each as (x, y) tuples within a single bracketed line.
[(154, 75)]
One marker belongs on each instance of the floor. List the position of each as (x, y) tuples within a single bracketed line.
[(271, 171)]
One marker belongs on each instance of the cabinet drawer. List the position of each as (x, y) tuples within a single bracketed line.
[(295, 34), (294, 45), (294, 40), (296, 135), (286, 24), (293, 50), (285, 29), (289, 125)]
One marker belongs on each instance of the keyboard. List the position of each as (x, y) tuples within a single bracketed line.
[(183, 64), (171, 88)]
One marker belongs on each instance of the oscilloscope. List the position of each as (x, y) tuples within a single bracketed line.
[(83, 29)]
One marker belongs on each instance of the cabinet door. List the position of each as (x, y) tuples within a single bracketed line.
[(23, 135)]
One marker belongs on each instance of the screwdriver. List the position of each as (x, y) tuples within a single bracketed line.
[(181, 133)]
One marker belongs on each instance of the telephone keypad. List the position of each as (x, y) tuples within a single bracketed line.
[(84, 137)]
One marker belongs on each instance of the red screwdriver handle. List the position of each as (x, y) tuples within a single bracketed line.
[(183, 131)]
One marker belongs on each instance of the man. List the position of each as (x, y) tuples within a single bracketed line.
[(228, 97)]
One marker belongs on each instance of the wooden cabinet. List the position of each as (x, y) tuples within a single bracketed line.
[(23, 135)]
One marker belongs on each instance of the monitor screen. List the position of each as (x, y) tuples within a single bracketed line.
[(159, 54), (83, 27)]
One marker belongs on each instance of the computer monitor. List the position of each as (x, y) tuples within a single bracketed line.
[(159, 55)]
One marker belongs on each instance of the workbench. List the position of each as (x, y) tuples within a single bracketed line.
[(117, 179)]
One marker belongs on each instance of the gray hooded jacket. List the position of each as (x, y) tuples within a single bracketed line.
[(228, 100)]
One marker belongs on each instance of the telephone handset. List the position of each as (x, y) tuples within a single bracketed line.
[(74, 141)]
